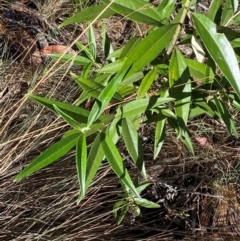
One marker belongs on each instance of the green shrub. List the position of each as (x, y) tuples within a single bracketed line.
[(201, 84)]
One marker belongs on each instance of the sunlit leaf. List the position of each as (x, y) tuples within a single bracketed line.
[(75, 59), (146, 83), (139, 106), (89, 14), (219, 48), (223, 114), (228, 12), (136, 10), (49, 156), (146, 203), (166, 8), (215, 10)]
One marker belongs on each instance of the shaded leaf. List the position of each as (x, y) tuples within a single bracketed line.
[(81, 164), (159, 137), (133, 144), (116, 162), (94, 160)]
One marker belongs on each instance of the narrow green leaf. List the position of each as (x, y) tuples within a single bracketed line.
[(89, 14), (136, 10), (133, 144), (234, 5), (78, 113), (142, 187), (49, 156), (86, 71), (146, 203), (223, 114), (118, 205), (70, 120), (92, 42), (130, 46), (219, 48), (200, 71), (81, 164), (75, 59), (182, 134), (227, 13), (106, 43), (139, 106), (85, 50), (166, 7), (106, 95), (159, 137), (116, 162), (115, 54), (146, 83), (197, 111), (94, 160), (215, 10), (150, 47), (180, 87), (123, 213), (93, 88), (113, 67)]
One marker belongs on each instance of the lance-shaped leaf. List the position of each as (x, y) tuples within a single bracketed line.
[(116, 162), (145, 203), (49, 156), (150, 47), (136, 10), (166, 8), (219, 48), (215, 10), (146, 83), (93, 88), (223, 114), (159, 137), (228, 12), (106, 95), (95, 158), (78, 113), (180, 87), (139, 106), (89, 14), (70, 120), (81, 164), (133, 144)]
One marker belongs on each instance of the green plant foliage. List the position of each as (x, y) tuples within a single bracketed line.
[(147, 81)]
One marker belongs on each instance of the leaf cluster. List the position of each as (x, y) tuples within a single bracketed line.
[(124, 93)]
